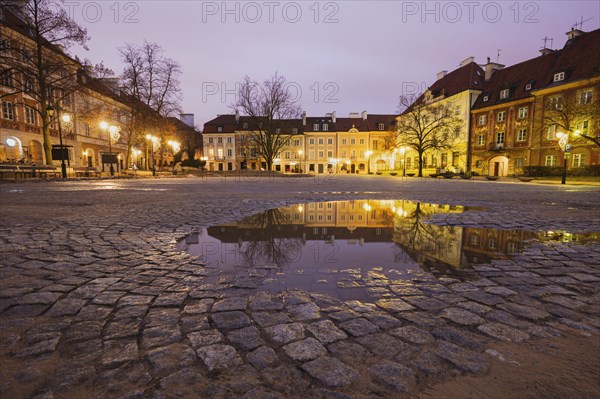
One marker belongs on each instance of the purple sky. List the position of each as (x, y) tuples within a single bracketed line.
[(349, 56)]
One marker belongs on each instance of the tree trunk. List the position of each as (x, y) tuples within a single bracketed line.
[(47, 145), (420, 165)]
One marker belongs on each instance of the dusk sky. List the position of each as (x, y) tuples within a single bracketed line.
[(346, 56)]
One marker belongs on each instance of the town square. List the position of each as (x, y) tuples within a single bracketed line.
[(282, 200)]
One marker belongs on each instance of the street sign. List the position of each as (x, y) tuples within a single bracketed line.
[(568, 148)]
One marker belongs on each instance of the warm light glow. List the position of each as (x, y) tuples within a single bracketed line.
[(175, 145), (85, 153), (367, 207), (560, 135), (368, 153), (300, 152), (577, 132), (103, 125), (148, 137), (11, 142), (347, 162), (300, 208), (66, 118), (402, 150)]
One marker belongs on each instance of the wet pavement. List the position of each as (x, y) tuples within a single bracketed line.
[(98, 298)]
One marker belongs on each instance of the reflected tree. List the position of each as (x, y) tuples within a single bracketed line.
[(270, 245)]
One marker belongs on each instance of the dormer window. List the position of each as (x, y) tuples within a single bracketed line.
[(559, 76), (485, 98), (219, 129), (245, 125), (295, 131), (504, 94), (325, 127), (381, 126), (528, 86), (277, 131), (316, 127)]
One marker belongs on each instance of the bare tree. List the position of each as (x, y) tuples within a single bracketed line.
[(35, 59), (577, 116), (423, 127), (151, 80), (268, 105)]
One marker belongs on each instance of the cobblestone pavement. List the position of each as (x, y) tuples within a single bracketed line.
[(96, 300)]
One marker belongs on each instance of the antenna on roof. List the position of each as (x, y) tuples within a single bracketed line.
[(547, 39), (498, 56), (579, 25)]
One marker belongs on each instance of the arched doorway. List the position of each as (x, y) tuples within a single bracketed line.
[(381, 165), (36, 152), (498, 166), (13, 149)]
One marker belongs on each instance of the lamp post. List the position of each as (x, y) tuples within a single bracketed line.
[(63, 166), (563, 143), (368, 154), (300, 152), (152, 139), (403, 153)]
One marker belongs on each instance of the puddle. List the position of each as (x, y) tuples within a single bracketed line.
[(349, 249)]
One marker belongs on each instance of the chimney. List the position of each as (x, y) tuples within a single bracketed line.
[(303, 118), (441, 74), (546, 51), (354, 115), (490, 68), (237, 116), (188, 119), (467, 61), (573, 33), (364, 115), (333, 116)]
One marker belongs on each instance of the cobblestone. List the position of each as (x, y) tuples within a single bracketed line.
[(123, 312)]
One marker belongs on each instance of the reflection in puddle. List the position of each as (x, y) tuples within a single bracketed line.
[(351, 249)]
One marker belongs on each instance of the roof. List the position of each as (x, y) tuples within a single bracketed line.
[(578, 59), (515, 78), (468, 77)]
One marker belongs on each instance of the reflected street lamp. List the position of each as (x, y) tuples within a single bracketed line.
[(403, 153)]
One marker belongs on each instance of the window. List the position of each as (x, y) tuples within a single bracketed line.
[(229, 140), (316, 127), (375, 145), (288, 155), (551, 132), (528, 86), (297, 142), (504, 94), (325, 127), (501, 117), (559, 76), (329, 154), (522, 134), (210, 140), (352, 141), (311, 141), (457, 110), (229, 152), (556, 102), (481, 139), (344, 154), (585, 96), (329, 141), (518, 162), (219, 129), (474, 239), (550, 160), (444, 160), (7, 79), (294, 130), (320, 154), (523, 112), (219, 140), (492, 243), (361, 141), (8, 111), (500, 138), (381, 126), (482, 120), (578, 160), (485, 98), (584, 127), (245, 125), (30, 115), (455, 158), (220, 152), (344, 141), (320, 141)]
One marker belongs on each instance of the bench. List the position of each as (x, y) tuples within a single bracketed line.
[(83, 171)]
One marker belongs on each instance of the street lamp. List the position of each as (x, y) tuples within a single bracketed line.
[(113, 134), (368, 154), (403, 153), (563, 143), (63, 167)]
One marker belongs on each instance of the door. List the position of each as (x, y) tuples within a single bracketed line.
[(352, 168), (321, 168), (496, 168)]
